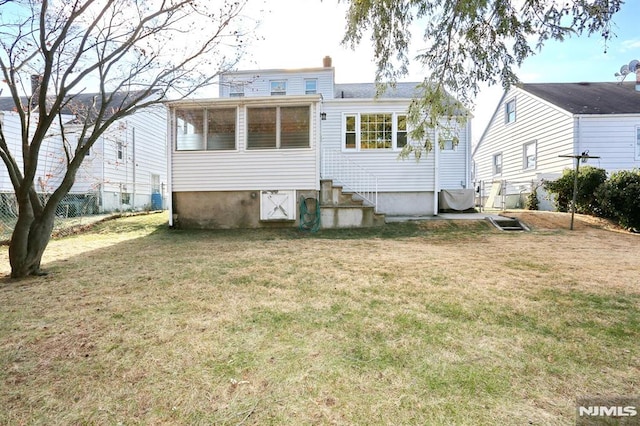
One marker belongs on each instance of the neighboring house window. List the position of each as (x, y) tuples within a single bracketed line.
[(219, 125), (401, 131), (278, 127), (119, 153), (221, 129), (447, 145), (236, 90), (637, 143), (278, 87), (374, 131), (510, 111), (310, 86), (529, 155), (497, 164)]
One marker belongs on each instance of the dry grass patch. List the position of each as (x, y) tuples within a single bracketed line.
[(408, 324)]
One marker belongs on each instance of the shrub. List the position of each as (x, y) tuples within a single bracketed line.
[(589, 179), (619, 198)]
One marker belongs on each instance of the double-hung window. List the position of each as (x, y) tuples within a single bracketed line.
[(497, 164), (278, 87), (280, 127), (365, 132), (310, 86), (529, 155), (510, 111)]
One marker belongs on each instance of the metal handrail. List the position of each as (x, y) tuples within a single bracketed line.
[(350, 175)]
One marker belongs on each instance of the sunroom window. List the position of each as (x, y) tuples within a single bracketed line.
[(218, 124), (278, 127)]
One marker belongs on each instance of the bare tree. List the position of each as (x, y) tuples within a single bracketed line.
[(132, 53)]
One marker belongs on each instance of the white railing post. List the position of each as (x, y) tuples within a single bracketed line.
[(350, 175)]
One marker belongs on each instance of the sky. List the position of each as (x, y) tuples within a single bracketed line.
[(299, 33)]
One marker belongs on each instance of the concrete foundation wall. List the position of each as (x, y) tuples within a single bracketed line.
[(405, 203), (226, 210)]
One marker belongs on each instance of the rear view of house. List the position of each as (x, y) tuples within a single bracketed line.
[(536, 126), (278, 142)]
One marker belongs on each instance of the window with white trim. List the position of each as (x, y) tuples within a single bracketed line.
[(119, 151), (365, 132), (281, 127), (278, 87), (448, 145), (510, 111), (310, 86), (529, 155), (200, 129), (236, 90), (497, 164)]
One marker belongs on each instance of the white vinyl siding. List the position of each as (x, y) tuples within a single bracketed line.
[(612, 138), (550, 127), (257, 83), (638, 143)]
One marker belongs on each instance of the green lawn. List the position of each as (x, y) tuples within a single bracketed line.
[(409, 324)]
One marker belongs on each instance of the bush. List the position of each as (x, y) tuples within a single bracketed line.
[(589, 179), (619, 198)]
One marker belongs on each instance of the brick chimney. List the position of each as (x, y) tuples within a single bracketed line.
[(326, 62)]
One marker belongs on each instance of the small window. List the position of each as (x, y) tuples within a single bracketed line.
[(497, 164), (350, 132), (119, 153), (529, 155), (310, 86), (510, 111), (278, 87), (236, 90), (401, 131), (447, 145)]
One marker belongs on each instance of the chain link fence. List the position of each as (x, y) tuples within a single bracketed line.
[(76, 210)]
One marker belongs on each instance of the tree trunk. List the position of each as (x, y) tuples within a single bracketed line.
[(29, 239)]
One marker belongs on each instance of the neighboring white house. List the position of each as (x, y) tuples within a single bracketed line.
[(535, 124), (125, 169), (275, 137)]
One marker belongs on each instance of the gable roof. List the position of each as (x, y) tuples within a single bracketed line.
[(368, 91), (84, 102), (589, 98)]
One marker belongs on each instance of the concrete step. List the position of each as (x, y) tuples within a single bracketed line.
[(332, 217)]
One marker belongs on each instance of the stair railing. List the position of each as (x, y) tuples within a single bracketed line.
[(350, 175)]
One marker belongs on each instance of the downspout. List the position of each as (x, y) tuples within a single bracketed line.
[(169, 144), (133, 148), (436, 171), (576, 145), (467, 163)]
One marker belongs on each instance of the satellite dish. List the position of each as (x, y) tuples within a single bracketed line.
[(633, 65), (624, 70)]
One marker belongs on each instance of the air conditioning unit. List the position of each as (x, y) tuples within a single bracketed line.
[(278, 205)]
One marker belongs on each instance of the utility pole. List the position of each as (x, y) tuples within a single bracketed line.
[(579, 158)]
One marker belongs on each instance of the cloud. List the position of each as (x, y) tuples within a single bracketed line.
[(632, 44)]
